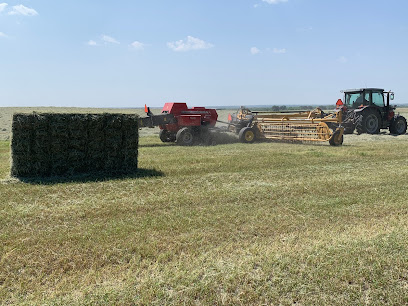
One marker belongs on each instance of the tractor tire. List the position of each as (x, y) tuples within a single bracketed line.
[(336, 139), (368, 121), (398, 125), (247, 135), (185, 137), (166, 136)]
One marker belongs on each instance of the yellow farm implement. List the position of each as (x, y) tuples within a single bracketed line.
[(288, 126)]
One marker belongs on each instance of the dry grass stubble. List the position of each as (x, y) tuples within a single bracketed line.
[(236, 223)]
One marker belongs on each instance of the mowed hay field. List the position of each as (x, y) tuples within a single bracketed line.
[(228, 224)]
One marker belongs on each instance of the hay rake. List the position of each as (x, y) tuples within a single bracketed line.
[(304, 126)]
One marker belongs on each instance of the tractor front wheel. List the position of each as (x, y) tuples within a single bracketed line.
[(185, 137), (398, 125), (247, 135), (369, 122)]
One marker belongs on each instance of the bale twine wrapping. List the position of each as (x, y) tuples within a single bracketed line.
[(51, 144)]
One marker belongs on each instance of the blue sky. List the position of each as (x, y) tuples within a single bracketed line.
[(98, 53)]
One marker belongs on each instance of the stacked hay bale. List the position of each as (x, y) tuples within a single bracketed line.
[(67, 144)]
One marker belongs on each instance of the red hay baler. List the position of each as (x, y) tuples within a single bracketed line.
[(183, 125)]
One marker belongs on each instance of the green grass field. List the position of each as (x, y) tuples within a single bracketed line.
[(229, 224)]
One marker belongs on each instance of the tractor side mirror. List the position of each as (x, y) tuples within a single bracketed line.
[(392, 96)]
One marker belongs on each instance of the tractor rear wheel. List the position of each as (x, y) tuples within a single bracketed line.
[(247, 135), (368, 121), (185, 137), (166, 136), (336, 139), (398, 125)]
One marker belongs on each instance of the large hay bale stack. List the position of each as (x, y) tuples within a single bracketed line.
[(66, 144)]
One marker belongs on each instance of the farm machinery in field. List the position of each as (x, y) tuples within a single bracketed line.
[(188, 126), (367, 110), (309, 126), (183, 125)]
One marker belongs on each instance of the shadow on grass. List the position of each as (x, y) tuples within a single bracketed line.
[(216, 139), (91, 177), (296, 142), (154, 145)]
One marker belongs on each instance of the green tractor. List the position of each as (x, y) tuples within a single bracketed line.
[(368, 110)]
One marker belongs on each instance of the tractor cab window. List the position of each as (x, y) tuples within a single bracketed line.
[(378, 99), (366, 98), (351, 99), (354, 100)]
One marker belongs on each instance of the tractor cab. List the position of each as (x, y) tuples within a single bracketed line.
[(368, 110), (370, 97), (358, 98)]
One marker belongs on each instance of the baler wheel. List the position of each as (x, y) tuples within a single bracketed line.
[(247, 135), (166, 136), (185, 137)]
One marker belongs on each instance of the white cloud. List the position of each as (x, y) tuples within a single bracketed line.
[(279, 51), (342, 59), (3, 6), (137, 45), (255, 50), (3, 35), (191, 43), (23, 10), (109, 39), (274, 1), (92, 43), (305, 29)]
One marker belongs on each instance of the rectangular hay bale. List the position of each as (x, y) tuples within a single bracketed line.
[(66, 144)]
